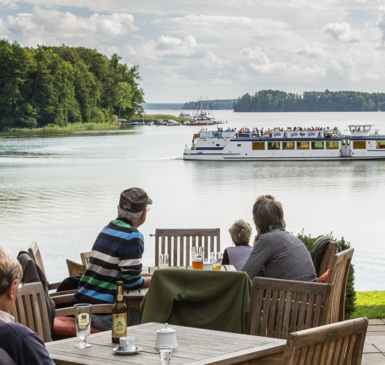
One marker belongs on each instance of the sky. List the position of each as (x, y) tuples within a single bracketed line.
[(220, 49)]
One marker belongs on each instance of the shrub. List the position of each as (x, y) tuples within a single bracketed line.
[(350, 302)]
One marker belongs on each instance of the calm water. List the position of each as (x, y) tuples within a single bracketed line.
[(60, 190)]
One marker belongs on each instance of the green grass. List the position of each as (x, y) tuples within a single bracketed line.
[(370, 304), (155, 117)]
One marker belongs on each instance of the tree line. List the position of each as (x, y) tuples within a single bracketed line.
[(60, 85), (214, 104), (310, 101)]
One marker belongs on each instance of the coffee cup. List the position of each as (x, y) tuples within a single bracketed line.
[(127, 343)]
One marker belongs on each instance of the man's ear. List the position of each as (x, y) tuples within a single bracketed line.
[(11, 290)]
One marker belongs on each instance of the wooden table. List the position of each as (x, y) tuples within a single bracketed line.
[(196, 347), (133, 298)]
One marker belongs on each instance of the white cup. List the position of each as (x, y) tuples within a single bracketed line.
[(127, 343)]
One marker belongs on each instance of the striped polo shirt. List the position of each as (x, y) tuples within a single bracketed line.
[(116, 255)]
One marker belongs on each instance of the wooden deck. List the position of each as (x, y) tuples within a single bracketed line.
[(374, 350)]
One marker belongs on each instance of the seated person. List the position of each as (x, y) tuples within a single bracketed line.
[(117, 255), (22, 345), (277, 253), (240, 233)]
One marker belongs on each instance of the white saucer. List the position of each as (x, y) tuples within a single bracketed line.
[(133, 352)]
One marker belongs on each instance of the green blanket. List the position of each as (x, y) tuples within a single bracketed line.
[(216, 300)]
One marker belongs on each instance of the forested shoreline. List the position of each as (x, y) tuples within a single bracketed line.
[(310, 101), (222, 104), (56, 86)]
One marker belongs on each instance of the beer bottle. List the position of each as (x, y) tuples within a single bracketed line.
[(119, 315)]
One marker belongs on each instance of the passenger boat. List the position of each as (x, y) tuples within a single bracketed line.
[(361, 142)]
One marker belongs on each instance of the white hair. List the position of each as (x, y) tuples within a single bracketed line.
[(130, 216)]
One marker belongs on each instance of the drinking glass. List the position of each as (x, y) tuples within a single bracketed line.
[(217, 261), (163, 260), (165, 354), (197, 257), (83, 324)]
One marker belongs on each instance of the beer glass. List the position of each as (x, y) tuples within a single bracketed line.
[(197, 257), (163, 261), (83, 324), (217, 261)]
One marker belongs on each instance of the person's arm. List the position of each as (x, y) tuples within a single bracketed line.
[(225, 260), (33, 351), (259, 256), (131, 264)]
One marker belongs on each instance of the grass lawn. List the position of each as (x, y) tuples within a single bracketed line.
[(370, 304)]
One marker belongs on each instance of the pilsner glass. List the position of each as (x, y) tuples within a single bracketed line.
[(163, 261), (217, 261), (83, 324), (197, 258)]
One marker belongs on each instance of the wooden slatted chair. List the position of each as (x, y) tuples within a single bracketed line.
[(338, 277), (278, 307), (178, 242), (34, 251), (85, 257), (331, 250), (74, 268), (334, 344), (31, 311)]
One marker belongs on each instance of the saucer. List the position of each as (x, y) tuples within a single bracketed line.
[(133, 352)]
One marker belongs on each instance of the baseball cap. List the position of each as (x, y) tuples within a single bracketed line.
[(134, 200)]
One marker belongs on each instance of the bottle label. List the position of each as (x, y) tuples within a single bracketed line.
[(83, 319), (119, 325), (119, 297)]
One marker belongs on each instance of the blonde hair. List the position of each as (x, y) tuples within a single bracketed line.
[(268, 214), (10, 269), (240, 233)]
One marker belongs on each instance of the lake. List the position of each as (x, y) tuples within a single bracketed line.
[(61, 189)]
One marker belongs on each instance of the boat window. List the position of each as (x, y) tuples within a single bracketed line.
[(273, 145), (380, 144), (302, 145), (367, 128), (239, 145), (258, 145), (217, 145), (332, 145), (288, 145), (317, 145), (359, 145)]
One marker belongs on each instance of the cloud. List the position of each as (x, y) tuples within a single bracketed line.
[(13, 6), (341, 32), (256, 60), (380, 23), (48, 26), (313, 52)]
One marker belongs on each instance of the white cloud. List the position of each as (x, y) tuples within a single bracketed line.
[(13, 6), (341, 32), (380, 23), (48, 26), (313, 52), (256, 60)]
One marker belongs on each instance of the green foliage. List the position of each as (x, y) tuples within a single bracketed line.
[(61, 85), (310, 101), (214, 104), (370, 304), (350, 303)]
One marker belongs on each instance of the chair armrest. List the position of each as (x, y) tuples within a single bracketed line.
[(96, 308), (64, 299), (64, 292), (52, 286)]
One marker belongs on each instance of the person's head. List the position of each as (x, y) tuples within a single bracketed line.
[(267, 214), (10, 276), (133, 206), (240, 233)]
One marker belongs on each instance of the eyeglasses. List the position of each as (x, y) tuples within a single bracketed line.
[(147, 208)]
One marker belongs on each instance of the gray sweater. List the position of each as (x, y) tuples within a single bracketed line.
[(281, 256)]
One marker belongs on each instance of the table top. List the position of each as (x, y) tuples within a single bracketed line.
[(196, 347), (140, 293)]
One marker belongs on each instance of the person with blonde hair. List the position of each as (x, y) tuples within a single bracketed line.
[(240, 233), (21, 345), (277, 253)]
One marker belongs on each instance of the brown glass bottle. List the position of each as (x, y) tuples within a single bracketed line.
[(119, 315)]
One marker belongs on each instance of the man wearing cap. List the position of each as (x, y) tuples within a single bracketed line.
[(117, 255)]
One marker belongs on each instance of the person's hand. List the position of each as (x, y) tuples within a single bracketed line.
[(255, 240), (146, 281)]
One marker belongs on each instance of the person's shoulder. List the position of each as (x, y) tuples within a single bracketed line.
[(14, 329)]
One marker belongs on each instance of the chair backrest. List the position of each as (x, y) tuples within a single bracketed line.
[(338, 277), (337, 343), (330, 251), (85, 256), (178, 242), (278, 307), (30, 310), (35, 254), (74, 268)]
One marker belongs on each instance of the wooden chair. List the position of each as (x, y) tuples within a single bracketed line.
[(34, 251), (334, 344), (331, 250), (338, 277), (31, 311), (85, 256), (74, 268), (178, 242), (278, 307)]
